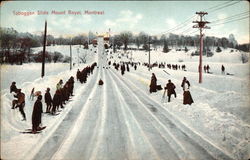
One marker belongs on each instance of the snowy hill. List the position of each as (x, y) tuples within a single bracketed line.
[(123, 118)]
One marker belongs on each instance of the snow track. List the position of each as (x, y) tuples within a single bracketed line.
[(196, 140), (108, 125), (59, 136), (183, 145), (121, 120)]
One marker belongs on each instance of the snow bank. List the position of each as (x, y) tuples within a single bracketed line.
[(221, 109), (27, 76)]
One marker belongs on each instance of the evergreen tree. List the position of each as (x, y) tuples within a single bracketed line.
[(165, 48), (218, 49), (186, 50)]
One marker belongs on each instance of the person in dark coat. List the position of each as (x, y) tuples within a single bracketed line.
[(135, 67), (153, 84), (56, 101), (71, 85), (205, 68), (13, 87), (208, 68), (127, 67), (37, 114), (48, 100), (222, 69), (170, 87), (78, 73), (21, 103), (122, 69), (187, 98)]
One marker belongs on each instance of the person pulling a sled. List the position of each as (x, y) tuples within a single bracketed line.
[(170, 87), (187, 98), (20, 103)]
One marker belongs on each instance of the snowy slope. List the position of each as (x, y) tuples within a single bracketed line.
[(121, 120), (27, 76)]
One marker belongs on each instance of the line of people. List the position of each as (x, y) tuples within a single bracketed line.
[(170, 89), (62, 94), (83, 75), (124, 66), (207, 69)]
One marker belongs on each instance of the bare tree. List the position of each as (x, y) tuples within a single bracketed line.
[(125, 37)]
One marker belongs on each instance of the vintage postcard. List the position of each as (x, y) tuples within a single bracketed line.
[(125, 80)]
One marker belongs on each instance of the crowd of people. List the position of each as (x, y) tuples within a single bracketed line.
[(125, 66), (62, 94), (65, 91), (164, 65)]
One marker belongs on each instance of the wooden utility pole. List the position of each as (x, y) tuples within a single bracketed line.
[(70, 57), (149, 67), (201, 25), (78, 56), (114, 43), (44, 48)]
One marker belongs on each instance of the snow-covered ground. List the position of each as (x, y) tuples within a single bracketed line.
[(122, 120)]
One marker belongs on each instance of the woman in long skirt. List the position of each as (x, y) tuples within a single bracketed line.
[(187, 98)]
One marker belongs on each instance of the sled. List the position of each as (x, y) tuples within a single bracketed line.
[(166, 72), (164, 93), (29, 131), (230, 74), (55, 114), (163, 96), (158, 87)]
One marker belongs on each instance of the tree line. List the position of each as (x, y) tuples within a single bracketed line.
[(16, 47), (142, 40)]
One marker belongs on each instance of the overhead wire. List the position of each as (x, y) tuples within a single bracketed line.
[(231, 17), (230, 21), (207, 9), (224, 6), (212, 9)]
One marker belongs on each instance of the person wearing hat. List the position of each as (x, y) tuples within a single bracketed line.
[(187, 98), (170, 87), (59, 85), (37, 114), (48, 101), (13, 87), (21, 103), (13, 91), (153, 84)]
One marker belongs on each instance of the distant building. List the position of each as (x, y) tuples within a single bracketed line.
[(105, 38)]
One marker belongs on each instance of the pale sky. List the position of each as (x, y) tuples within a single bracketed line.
[(152, 17)]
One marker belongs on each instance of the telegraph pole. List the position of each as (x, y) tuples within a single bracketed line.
[(201, 25), (44, 48), (88, 38), (148, 53), (78, 56), (70, 56)]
